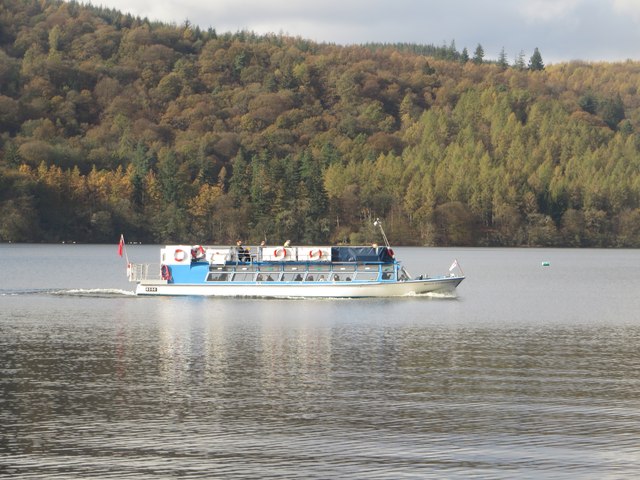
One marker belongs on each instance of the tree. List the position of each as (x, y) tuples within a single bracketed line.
[(518, 63), (478, 55), (141, 163), (612, 111), (502, 60), (464, 56), (242, 135), (456, 224), (535, 62), (202, 209), (170, 183), (588, 102)]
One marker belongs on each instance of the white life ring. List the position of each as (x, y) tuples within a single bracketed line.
[(280, 253), (313, 255), (179, 255)]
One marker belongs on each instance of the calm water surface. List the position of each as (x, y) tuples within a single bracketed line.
[(530, 372)]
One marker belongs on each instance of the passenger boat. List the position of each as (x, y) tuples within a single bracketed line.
[(284, 272)]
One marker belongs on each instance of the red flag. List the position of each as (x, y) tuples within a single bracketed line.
[(121, 245)]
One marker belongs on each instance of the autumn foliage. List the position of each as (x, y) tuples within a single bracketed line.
[(111, 123)]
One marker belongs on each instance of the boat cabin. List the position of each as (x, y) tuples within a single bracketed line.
[(186, 264)]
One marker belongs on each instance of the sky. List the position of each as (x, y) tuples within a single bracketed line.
[(562, 30)]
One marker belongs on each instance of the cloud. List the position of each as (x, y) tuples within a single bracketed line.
[(548, 10), (562, 29), (628, 7)]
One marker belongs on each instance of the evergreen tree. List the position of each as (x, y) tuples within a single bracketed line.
[(170, 182), (535, 62), (612, 111), (478, 55), (502, 60), (240, 178), (141, 162), (452, 52), (464, 56), (518, 63), (588, 102)]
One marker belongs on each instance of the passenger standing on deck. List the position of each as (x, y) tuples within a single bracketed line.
[(243, 253)]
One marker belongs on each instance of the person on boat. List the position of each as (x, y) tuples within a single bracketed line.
[(287, 244), (243, 253)]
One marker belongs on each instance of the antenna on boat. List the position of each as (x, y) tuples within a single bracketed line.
[(378, 223)]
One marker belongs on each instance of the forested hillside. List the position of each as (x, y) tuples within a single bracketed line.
[(110, 123)]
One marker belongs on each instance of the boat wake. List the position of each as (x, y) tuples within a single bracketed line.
[(71, 292), (449, 295), (95, 292)]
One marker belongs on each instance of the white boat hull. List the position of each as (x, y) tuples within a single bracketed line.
[(443, 284)]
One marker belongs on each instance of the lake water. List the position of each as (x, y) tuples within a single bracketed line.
[(530, 372)]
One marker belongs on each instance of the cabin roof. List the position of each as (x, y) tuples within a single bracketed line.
[(361, 254)]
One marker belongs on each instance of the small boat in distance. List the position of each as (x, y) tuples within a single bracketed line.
[(284, 272)]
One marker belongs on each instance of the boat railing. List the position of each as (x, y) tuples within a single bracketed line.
[(144, 271)]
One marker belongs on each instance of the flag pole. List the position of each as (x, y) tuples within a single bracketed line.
[(455, 265), (122, 248)]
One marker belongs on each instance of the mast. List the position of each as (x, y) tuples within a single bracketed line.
[(378, 223)]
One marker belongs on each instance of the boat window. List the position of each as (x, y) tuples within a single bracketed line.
[(293, 276), (404, 275), (218, 277), (388, 272), (267, 276), (323, 276), (243, 277), (370, 275), (219, 274), (343, 273), (342, 276), (244, 274)]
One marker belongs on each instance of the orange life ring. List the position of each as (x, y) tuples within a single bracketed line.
[(311, 255), (179, 255), (165, 271), (197, 252), (280, 253)]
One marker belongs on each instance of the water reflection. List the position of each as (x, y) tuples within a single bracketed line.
[(202, 388)]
